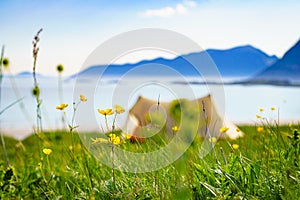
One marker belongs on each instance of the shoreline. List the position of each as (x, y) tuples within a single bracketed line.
[(21, 134)]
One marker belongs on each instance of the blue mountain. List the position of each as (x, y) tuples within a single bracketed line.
[(284, 71), (238, 61)]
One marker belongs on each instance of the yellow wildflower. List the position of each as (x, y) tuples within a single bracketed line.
[(47, 151), (99, 140), (61, 106), (224, 129), (116, 140), (260, 129), (212, 139), (82, 98), (235, 146), (105, 112), (261, 110), (40, 165), (119, 109), (127, 136), (273, 108), (258, 116), (175, 128), (238, 130)]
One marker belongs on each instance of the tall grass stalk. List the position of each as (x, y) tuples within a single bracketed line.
[(2, 138), (36, 89), (60, 69), (1, 75), (72, 126)]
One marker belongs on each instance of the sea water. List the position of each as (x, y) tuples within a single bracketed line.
[(240, 103)]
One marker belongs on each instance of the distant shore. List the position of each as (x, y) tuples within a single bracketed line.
[(20, 134), (262, 82)]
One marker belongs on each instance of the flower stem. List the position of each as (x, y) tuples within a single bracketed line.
[(72, 126), (106, 123), (113, 165), (114, 121), (48, 163)]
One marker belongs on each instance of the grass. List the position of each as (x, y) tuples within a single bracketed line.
[(265, 166)]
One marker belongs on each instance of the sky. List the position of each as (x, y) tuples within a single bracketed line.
[(73, 29)]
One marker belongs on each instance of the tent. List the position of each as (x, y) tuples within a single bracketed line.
[(209, 121)]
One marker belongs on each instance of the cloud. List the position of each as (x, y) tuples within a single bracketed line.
[(179, 9), (189, 3), (163, 12)]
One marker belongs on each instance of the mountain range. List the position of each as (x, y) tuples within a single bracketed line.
[(248, 62), (284, 71), (242, 61)]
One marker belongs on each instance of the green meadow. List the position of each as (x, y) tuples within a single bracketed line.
[(264, 164)]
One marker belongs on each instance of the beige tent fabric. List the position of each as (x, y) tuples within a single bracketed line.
[(209, 123)]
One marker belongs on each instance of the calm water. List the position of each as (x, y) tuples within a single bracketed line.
[(241, 103)]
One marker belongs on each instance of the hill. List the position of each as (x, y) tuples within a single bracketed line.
[(284, 71), (235, 62)]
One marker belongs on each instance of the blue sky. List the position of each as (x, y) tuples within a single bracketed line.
[(73, 29)]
